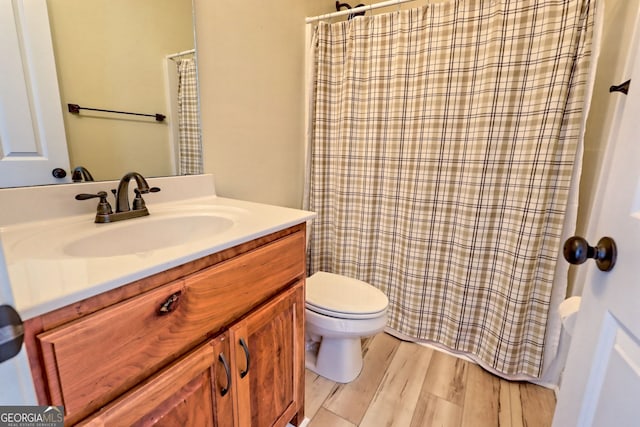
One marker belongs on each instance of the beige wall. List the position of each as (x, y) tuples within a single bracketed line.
[(251, 73), (110, 54)]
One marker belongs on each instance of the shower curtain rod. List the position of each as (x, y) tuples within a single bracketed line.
[(183, 53), (311, 19)]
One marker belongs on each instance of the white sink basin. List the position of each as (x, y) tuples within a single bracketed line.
[(52, 253), (146, 234), (81, 238)]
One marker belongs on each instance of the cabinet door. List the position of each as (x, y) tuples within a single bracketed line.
[(268, 350), (194, 391)]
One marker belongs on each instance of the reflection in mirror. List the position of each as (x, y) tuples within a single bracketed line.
[(135, 56)]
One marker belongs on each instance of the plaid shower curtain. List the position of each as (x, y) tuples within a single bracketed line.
[(190, 145), (442, 150)]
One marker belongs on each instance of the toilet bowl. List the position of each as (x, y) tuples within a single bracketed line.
[(340, 311)]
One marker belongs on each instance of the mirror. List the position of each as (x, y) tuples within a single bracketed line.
[(124, 55)]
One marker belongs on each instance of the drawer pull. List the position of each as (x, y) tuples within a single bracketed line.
[(227, 370), (246, 356), (170, 304)]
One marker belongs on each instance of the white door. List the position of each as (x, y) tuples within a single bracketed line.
[(601, 381), (32, 136)]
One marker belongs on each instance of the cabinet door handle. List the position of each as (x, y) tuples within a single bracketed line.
[(227, 370), (170, 304), (246, 356)]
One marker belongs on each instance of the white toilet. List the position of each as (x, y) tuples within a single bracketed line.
[(340, 311)]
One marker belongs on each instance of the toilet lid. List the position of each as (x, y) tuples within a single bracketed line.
[(329, 293)]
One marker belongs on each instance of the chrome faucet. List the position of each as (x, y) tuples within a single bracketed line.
[(123, 210)]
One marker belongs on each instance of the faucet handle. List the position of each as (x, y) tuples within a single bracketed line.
[(85, 196), (138, 202), (104, 208), (150, 190)]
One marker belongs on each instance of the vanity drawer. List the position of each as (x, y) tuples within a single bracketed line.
[(90, 361)]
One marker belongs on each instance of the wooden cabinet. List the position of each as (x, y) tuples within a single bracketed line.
[(162, 351), (195, 388), (266, 349)]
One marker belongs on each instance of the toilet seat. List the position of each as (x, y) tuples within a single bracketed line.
[(340, 315), (342, 297)]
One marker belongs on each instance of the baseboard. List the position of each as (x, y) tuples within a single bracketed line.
[(304, 423)]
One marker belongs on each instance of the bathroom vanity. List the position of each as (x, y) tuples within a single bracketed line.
[(209, 329)]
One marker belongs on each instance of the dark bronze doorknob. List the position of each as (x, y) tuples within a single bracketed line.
[(577, 250), (59, 173)]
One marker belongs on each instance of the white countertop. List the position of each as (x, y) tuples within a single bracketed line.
[(40, 275)]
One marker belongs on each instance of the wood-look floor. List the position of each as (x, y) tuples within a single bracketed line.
[(408, 385)]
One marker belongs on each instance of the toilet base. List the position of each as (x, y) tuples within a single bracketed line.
[(337, 359)]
